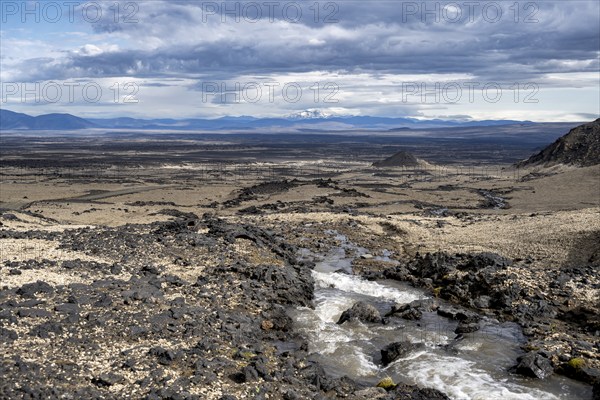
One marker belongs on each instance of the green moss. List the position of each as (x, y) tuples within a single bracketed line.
[(387, 383), (437, 291), (576, 363), (247, 355)]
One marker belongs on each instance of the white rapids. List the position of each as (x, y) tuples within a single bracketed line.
[(472, 369)]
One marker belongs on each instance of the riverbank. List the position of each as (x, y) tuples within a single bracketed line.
[(555, 307), (193, 308)]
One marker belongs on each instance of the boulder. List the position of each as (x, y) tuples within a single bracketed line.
[(534, 365), (413, 310), (360, 311), (466, 327), (458, 314), (396, 350), (31, 289), (413, 392)]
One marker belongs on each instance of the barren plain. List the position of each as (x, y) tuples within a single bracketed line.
[(181, 268)]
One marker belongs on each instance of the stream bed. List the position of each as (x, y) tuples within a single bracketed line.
[(475, 367)]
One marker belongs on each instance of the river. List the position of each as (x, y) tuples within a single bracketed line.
[(475, 367)]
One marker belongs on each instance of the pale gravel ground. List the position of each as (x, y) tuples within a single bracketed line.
[(37, 249), (566, 207), (513, 237)]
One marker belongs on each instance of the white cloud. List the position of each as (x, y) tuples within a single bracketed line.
[(370, 53)]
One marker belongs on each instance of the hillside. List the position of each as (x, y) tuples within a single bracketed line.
[(400, 159), (579, 147), (302, 121), (13, 120)]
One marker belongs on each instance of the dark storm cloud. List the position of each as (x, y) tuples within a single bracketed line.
[(373, 37)]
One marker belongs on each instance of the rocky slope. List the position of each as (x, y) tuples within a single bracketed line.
[(192, 308), (579, 147), (562, 332)]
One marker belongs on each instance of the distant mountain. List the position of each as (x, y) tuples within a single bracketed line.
[(13, 120), (308, 120), (580, 147), (310, 114), (400, 159)]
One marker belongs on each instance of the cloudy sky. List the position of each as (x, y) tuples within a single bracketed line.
[(453, 60)]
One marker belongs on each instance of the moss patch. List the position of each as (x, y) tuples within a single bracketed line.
[(577, 363), (387, 383)]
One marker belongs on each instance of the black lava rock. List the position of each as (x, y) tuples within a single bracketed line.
[(534, 365), (396, 350), (360, 311)]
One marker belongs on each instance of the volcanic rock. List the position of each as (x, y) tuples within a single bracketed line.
[(400, 159), (361, 312), (395, 350), (534, 365), (580, 147)]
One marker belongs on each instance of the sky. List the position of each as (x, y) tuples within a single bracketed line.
[(462, 60)]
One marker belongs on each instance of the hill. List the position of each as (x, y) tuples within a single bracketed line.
[(579, 147), (13, 120), (400, 159), (303, 121)]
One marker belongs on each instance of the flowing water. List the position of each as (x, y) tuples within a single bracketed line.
[(472, 368)]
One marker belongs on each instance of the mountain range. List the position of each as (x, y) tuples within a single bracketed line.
[(309, 119)]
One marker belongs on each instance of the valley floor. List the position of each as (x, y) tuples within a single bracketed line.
[(176, 280)]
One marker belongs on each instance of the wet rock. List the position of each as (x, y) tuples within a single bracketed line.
[(533, 365), (577, 368), (396, 350), (458, 314), (371, 393), (342, 271), (413, 392), (360, 311), (413, 310), (466, 327)]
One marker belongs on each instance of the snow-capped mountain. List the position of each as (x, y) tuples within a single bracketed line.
[(312, 113)]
